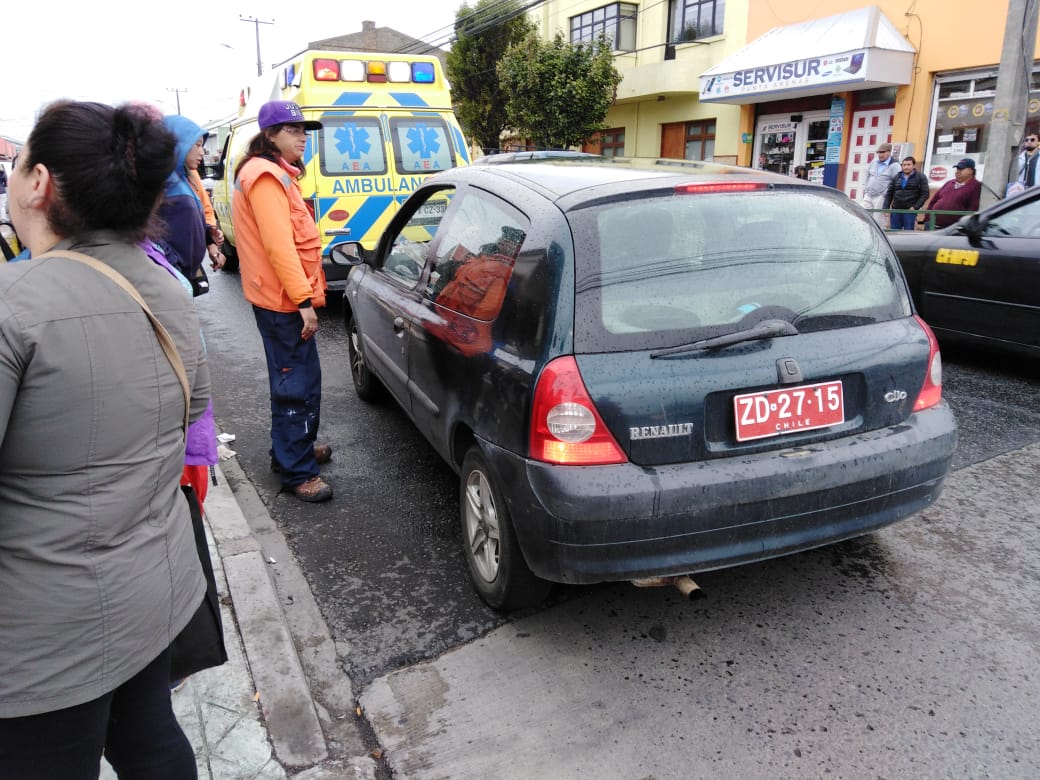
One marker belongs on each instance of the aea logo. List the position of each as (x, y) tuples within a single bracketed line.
[(422, 141), (353, 141)]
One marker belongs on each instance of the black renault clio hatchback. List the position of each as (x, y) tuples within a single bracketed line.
[(645, 369)]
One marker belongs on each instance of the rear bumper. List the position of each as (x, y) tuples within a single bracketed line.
[(601, 523)]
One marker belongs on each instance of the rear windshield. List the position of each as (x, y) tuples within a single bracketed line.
[(356, 145), (666, 271)]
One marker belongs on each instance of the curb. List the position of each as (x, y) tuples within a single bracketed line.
[(285, 698), (307, 698)]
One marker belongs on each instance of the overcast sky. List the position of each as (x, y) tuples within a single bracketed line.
[(103, 51)]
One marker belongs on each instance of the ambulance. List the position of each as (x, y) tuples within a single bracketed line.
[(387, 125)]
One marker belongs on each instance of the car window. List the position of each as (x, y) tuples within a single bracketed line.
[(410, 247), (421, 144), (352, 145), (475, 255), (668, 270), (1020, 222)]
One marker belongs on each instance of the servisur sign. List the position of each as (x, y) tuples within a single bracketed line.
[(845, 68)]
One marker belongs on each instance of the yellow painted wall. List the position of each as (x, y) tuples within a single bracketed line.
[(655, 91)]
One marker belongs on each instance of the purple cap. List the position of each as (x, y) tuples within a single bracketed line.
[(284, 112)]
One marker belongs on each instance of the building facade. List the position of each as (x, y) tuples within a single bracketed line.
[(781, 83)]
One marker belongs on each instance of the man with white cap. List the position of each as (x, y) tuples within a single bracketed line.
[(880, 173)]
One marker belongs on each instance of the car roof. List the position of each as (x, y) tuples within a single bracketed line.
[(575, 181), (541, 154)]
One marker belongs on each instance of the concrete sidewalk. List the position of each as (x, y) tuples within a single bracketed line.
[(255, 716)]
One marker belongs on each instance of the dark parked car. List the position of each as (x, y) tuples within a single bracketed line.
[(645, 371), (979, 280)]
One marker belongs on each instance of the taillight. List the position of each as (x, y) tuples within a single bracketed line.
[(565, 426), (931, 390)]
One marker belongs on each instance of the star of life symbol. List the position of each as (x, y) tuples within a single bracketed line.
[(422, 141), (353, 141)]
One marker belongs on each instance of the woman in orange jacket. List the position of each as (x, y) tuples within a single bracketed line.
[(279, 253)]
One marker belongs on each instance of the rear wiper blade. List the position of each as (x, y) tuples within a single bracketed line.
[(766, 329)]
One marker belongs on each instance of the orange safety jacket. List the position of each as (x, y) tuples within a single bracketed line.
[(279, 249)]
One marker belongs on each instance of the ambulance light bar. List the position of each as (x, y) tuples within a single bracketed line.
[(374, 71)]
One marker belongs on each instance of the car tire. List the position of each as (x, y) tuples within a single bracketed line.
[(497, 567), (367, 387)]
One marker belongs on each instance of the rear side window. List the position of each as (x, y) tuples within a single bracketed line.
[(664, 271), (476, 251), (352, 145), (421, 144)]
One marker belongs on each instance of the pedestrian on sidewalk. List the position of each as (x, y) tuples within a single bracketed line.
[(279, 253), (98, 565), (908, 190), (960, 194), (880, 173)]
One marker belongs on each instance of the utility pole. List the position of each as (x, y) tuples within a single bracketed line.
[(256, 24), (1009, 106), (178, 91)]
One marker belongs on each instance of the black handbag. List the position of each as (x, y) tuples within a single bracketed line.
[(199, 283), (200, 645)]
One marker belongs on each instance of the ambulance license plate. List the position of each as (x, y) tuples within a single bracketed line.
[(790, 410), (430, 212)]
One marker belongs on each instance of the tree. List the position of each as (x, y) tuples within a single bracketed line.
[(482, 36), (559, 92)]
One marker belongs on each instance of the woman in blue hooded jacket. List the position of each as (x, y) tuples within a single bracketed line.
[(184, 246), (181, 209)]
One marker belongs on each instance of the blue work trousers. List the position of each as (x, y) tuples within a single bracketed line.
[(294, 372)]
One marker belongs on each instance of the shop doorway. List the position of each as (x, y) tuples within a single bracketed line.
[(869, 129), (785, 141)]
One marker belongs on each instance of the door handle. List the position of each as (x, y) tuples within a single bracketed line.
[(398, 326)]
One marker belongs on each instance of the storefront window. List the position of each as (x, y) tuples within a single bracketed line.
[(778, 145), (963, 112)]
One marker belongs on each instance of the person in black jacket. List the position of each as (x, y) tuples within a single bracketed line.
[(908, 190)]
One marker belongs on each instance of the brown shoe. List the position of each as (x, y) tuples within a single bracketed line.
[(322, 454), (313, 490)]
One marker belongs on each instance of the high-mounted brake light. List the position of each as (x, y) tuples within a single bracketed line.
[(326, 70), (724, 186), (565, 427), (931, 390)]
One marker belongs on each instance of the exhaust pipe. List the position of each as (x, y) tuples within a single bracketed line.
[(683, 582)]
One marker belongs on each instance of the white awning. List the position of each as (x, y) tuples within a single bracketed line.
[(858, 49)]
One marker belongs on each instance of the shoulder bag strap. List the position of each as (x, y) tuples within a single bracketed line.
[(165, 340)]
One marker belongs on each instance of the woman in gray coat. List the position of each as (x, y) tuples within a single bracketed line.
[(98, 567)]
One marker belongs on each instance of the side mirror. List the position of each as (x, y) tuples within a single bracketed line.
[(348, 253), (971, 225)]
